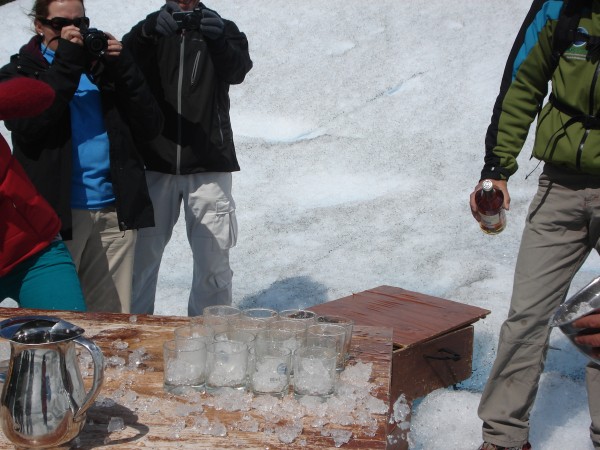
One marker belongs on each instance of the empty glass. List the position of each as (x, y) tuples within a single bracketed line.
[(314, 371), (184, 365), (218, 317), (265, 314), (348, 325), (220, 311)]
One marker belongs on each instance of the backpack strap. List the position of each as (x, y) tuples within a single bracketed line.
[(588, 122), (566, 32)]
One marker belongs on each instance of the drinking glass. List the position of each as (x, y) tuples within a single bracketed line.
[(226, 365), (239, 336), (328, 335), (218, 317), (291, 332), (220, 311), (314, 371), (236, 335), (248, 325), (184, 365), (270, 372), (194, 331), (298, 314), (265, 314), (348, 325)]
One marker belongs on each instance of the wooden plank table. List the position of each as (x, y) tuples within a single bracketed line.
[(155, 419)]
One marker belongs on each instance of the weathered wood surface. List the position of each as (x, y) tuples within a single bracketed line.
[(415, 317), (153, 422)]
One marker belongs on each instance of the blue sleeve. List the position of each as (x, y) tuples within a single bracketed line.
[(550, 10)]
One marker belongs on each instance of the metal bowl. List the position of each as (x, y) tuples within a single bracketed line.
[(582, 303)]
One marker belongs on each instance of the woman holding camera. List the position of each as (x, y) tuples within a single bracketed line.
[(80, 153)]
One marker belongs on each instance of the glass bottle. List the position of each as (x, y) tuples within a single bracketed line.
[(489, 205)]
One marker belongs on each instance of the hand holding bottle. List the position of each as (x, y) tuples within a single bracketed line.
[(488, 201)]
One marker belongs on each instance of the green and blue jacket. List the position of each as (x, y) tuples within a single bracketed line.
[(560, 139)]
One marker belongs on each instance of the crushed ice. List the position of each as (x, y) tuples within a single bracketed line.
[(284, 418)]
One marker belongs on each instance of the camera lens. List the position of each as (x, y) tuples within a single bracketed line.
[(95, 44), (95, 41), (188, 20), (191, 22)]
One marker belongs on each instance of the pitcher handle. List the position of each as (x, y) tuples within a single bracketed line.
[(98, 359)]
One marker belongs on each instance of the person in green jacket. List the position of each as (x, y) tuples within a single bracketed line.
[(563, 222)]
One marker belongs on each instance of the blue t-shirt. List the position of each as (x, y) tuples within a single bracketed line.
[(91, 187)]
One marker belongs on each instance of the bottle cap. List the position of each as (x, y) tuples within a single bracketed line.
[(487, 185)]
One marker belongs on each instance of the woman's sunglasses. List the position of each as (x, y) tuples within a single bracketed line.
[(57, 23)]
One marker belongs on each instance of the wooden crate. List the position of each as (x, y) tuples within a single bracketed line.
[(433, 340)]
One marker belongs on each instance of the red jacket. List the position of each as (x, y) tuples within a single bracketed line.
[(27, 222)]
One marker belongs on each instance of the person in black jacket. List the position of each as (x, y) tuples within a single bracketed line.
[(80, 153), (190, 56)]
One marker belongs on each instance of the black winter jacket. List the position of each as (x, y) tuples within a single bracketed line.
[(190, 77), (43, 144)]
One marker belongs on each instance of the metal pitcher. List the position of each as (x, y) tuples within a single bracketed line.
[(44, 401)]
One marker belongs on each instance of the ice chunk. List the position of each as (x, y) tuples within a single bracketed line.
[(375, 405), (288, 433), (205, 426), (184, 410), (230, 399), (114, 361), (340, 437), (116, 424), (400, 410), (357, 374), (247, 424), (119, 345)]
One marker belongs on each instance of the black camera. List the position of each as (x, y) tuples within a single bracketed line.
[(188, 20), (94, 41)]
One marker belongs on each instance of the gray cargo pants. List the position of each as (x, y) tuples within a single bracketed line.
[(211, 227), (562, 227)]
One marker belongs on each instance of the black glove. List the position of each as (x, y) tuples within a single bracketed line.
[(163, 23), (211, 25)]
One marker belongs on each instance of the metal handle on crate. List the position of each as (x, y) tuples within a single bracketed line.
[(453, 355)]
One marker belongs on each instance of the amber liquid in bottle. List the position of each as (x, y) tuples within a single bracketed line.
[(489, 205)]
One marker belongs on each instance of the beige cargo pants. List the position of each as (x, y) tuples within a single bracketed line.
[(562, 227)]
